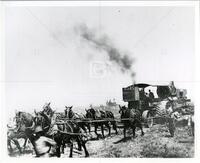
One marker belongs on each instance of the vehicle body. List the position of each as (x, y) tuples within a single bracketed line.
[(166, 100)]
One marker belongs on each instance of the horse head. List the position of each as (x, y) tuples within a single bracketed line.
[(103, 114), (69, 112), (90, 113), (43, 120), (39, 118), (122, 110), (46, 107), (47, 110)]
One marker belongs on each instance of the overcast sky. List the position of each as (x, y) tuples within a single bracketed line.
[(48, 59)]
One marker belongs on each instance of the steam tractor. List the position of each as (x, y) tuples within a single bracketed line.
[(159, 107)]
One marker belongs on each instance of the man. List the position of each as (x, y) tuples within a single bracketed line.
[(44, 147), (151, 95), (142, 94)]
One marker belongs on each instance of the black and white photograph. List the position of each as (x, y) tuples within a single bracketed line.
[(99, 79)]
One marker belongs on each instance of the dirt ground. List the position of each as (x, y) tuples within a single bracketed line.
[(156, 143)]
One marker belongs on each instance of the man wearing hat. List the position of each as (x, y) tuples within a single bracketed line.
[(44, 147)]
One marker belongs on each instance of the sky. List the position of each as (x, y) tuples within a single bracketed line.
[(63, 55)]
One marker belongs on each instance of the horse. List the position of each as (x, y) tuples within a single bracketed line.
[(26, 125), (43, 119), (63, 133), (47, 110), (131, 118), (99, 117), (69, 132), (80, 119), (110, 119)]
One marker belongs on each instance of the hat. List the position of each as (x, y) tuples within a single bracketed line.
[(38, 129)]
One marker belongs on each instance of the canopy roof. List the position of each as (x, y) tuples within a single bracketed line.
[(142, 85)]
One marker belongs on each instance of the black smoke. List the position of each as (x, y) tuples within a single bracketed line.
[(103, 43)]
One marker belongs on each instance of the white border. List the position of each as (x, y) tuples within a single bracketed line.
[(197, 79), (2, 84), (100, 3), (3, 151)]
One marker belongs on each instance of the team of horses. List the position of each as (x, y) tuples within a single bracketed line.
[(69, 127)]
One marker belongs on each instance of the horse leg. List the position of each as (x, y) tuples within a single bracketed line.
[(60, 141), (142, 132), (79, 143), (89, 127), (124, 132), (95, 130), (9, 145), (18, 146), (63, 147), (58, 151), (102, 131), (133, 128), (71, 149), (114, 127), (59, 145), (85, 149), (25, 141), (84, 128), (108, 126)]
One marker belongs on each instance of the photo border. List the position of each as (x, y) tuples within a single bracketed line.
[(3, 148)]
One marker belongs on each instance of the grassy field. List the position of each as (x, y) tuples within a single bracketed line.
[(156, 143)]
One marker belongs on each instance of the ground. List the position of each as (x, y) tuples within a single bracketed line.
[(155, 143)]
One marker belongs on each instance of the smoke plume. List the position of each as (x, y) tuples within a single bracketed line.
[(103, 43)]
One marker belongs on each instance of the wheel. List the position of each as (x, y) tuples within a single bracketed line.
[(148, 118)]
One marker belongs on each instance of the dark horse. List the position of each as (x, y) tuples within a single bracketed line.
[(131, 118), (62, 132), (78, 118), (47, 110), (42, 119), (101, 118)]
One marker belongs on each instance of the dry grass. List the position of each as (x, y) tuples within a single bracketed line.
[(156, 143)]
